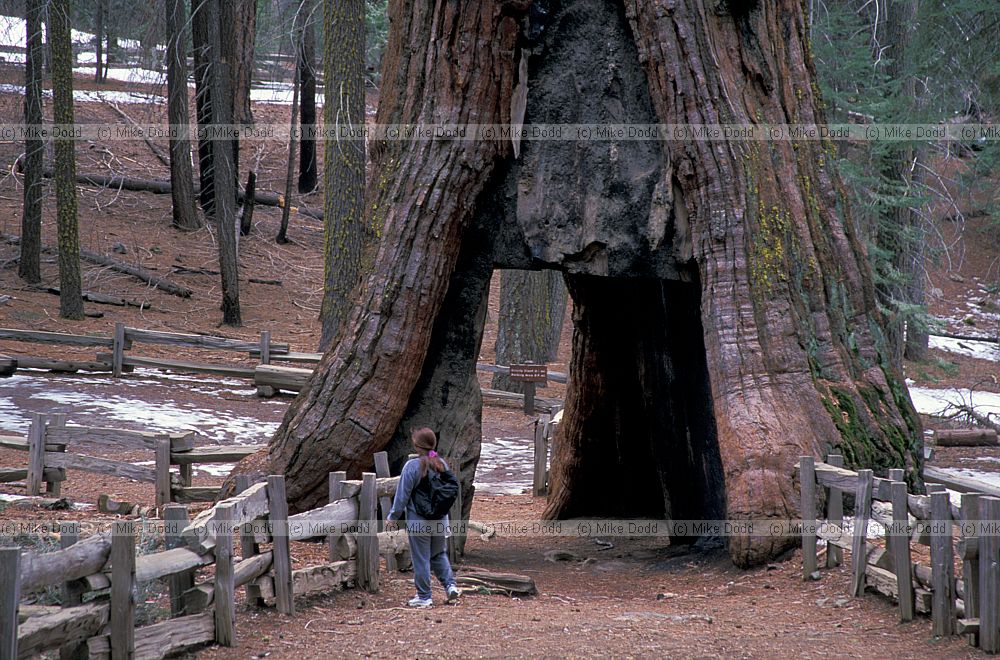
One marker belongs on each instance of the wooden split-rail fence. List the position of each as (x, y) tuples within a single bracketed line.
[(99, 576), (969, 605), (49, 438), (269, 378)]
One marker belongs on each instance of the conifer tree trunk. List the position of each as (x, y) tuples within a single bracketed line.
[(898, 233), (224, 180), (28, 267), (343, 161), (102, 9), (70, 284), (200, 27), (185, 215), (307, 99)]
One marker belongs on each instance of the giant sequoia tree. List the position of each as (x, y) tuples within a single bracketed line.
[(724, 316)]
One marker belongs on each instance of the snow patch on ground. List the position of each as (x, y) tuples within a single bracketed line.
[(78, 395), (930, 401), (982, 350), (505, 466), (93, 96), (129, 75)]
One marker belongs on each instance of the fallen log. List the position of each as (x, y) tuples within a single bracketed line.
[(949, 335), (107, 505), (103, 299), (510, 583), (966, 438), (162, 187), (144, 275), (113, 264)]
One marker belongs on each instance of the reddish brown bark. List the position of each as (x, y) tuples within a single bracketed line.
[(422, 196), (795, 356), (749, 322)]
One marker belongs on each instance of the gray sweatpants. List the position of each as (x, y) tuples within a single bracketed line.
[(429, 552)]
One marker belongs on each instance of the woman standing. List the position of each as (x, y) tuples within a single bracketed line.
[(427, 537)]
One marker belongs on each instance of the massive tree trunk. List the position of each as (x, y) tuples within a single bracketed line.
[(185, 215), (343, 161), (28, 267), (749, 316), (70, 282), (307, 98), (532, 307), (423, 195)]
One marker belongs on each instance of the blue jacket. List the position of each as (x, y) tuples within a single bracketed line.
[(408, 480)]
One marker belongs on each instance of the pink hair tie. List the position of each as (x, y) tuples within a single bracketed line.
[(432, 454)]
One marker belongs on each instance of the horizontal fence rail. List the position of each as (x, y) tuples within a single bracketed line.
[(969, 605)]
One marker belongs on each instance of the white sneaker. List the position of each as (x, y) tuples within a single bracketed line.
[(417, 601), (453, 593)]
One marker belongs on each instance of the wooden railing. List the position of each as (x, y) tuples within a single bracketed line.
[(967, 606), (49, 437), (123, 339), (201, 611), (268, 378)]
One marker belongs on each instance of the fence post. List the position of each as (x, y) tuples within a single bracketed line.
[(54, 488), (835, 514), (225, 579), (970, 567), (10, 596), (248, 540), (163, 494), (367, 539), (862, 512), (123, 590), (265, 358), (175, 517), (807, 507), (339, 545), (989, 577), (118, 350), (385, 503), (942, 567), (901, 563), (539, 486), (277, 507), (529, 397), (36, 453), (72, 593)]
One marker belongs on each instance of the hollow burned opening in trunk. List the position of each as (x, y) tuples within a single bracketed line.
[(639, 437)]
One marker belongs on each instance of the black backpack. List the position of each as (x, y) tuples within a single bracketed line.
[(435, 494)]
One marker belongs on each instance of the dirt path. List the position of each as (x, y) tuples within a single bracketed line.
[(639, 598)]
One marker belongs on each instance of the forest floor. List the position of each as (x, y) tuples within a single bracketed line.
[(640, 597)]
